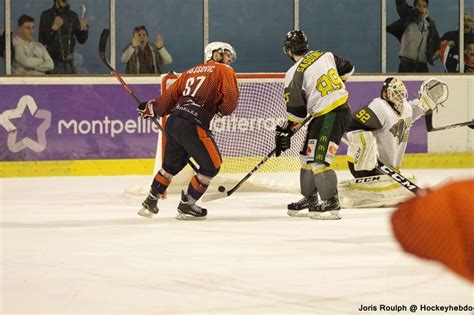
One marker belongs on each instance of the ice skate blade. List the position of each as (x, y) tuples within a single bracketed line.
[(328, 215), (182, 216), (144, 212), (297, 213)]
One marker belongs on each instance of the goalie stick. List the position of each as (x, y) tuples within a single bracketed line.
[(399, 178), (222, 191), (393, 174), (104, 37), (430, 128)]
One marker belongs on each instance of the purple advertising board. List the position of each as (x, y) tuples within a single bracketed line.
[(74, 122), (99, 121)]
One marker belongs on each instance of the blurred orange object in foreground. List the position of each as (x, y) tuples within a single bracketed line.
[(439, 225)]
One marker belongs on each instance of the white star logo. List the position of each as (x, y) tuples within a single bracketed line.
[(5, 117)]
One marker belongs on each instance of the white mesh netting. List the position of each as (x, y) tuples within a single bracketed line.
[(247, 136)]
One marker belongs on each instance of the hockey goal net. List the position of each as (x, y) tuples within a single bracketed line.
[(246, 137)]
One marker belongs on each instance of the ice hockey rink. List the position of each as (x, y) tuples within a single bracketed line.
[(75, 245)]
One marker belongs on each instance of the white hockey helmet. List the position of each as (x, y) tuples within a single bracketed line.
[(211, 47), (396, 93)]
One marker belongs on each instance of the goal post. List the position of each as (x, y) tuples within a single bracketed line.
[(246, 136)]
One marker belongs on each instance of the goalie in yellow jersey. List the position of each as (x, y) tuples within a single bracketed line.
[(379, 131)]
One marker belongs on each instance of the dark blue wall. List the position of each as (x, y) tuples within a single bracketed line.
[(256, 28)]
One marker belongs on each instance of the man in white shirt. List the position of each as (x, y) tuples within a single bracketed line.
[(31, 58)]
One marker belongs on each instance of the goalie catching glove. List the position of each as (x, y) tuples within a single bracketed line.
[(145, 110), (282, 139), (433, 92)]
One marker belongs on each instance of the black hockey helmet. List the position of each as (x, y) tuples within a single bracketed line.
[(297, 42)]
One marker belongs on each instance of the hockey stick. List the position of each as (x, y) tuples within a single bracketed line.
[(399, 178), (222, 191), (393, 174), (104, 37), (430, 128)]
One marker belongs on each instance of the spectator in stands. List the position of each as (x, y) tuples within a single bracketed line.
[(469, 57), (419, 39), (31, 58), (449, 50), (59, 29), (2, 44), (141, 56)]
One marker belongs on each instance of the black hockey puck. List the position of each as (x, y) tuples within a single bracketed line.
[(221, 188)]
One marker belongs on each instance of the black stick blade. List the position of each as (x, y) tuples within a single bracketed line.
[(104, 37)]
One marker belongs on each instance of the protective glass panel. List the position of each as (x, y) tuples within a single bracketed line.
[(445, 14), (343, 29), (83, 57), (178, 22), (256, 29)]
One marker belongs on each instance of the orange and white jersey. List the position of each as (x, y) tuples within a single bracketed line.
[(206, 89)]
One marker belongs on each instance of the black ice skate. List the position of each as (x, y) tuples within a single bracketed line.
[(326, 210), (149, 206), (188, 210), (294, 208)]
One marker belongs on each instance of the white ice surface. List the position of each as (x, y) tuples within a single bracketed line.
[(74, 245)]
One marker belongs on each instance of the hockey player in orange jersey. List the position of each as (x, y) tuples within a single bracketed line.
[(192, 101), (439, 225)]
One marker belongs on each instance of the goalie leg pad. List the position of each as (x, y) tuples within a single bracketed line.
[(372, 192), (362, 150)]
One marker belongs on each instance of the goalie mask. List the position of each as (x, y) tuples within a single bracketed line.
[(396, 93), (296, 43), (220, 47)]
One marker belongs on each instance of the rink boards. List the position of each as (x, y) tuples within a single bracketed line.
[(52, 126)]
